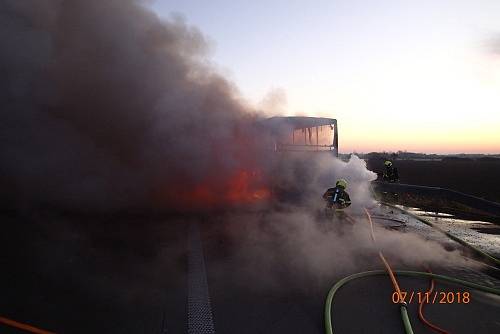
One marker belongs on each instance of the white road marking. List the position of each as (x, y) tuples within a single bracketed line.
[(200, 318)]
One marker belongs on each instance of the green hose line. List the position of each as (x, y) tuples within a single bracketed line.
[(404, 314), (449, 235), (406, 320), (331, 294)]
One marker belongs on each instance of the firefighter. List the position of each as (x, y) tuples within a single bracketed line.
[(390, 173), (337, 199)]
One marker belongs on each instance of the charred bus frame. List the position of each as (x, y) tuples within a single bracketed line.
[(293, 127)]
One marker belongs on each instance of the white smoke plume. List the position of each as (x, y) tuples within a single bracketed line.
[(298, 247), (310, 174), (274, 102), (298, 244)]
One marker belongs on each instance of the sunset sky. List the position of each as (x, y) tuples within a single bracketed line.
[(398, 75)]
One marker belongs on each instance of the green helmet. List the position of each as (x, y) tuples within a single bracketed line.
[(342, 183), (387, 163)]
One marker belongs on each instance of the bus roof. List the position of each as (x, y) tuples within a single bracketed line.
[(298, 122)]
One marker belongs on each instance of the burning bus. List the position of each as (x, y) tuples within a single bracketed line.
[(303, 134), (272, 164), (299, 144)]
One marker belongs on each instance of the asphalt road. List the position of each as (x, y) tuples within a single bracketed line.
[(93, 274), (131, 275), (294, 301)]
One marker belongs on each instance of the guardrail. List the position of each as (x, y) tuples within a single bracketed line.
[(479, 203)]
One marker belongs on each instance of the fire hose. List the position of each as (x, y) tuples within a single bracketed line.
[(345, 280), (462, 242), (476, 250), (421, 312), (24, 327), (403, 309), (342, 282)]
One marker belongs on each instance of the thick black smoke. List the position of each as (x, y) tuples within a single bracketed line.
[(104, 105)]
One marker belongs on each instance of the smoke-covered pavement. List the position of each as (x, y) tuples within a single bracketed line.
[(93, 277)]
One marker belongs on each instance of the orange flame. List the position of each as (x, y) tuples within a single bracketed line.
[(241, 188)]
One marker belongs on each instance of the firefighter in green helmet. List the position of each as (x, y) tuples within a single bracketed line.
[(390, 173), (337, 199)]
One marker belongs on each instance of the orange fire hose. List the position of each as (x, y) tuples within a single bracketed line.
[(396, 286), (24, 327), (421, 312), (386, 264), (403, 306)]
